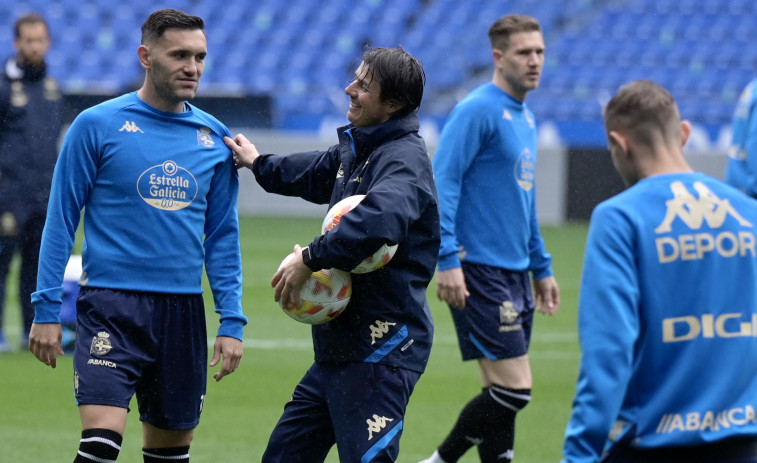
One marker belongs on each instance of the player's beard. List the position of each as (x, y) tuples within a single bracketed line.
[(168, 86)]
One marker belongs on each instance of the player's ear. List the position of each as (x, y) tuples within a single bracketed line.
[(685, 131), (496, 55), (144, 56), (618, 139)]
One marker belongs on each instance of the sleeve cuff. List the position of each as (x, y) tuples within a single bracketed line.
[(47, 312), (233, 328), (449, 261)]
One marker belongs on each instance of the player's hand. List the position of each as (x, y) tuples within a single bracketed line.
[(230, 349), (45, 342), (547, 295), (450, 287), (289, 280), (243, 151)]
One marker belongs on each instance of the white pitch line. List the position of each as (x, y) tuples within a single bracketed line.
[(307, 344)]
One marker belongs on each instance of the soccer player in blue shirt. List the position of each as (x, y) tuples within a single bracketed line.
[(668, 303), (158, 188), (369, 358), (741, 170), (485, 173)]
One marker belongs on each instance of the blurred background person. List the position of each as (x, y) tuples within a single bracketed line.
[(741, 170), (31, 113)]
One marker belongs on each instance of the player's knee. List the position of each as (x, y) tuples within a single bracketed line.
[(513, 400), (98, 445)]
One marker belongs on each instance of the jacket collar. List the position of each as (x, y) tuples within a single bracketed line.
[(365, 140)]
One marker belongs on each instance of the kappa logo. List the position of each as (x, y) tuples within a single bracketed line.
[(131, 127), (379, 330), (695, 211), (376, 425)]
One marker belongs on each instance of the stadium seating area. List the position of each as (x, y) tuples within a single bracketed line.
[(303, 52)]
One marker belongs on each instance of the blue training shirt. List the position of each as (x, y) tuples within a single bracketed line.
[(667, 318), (741, 170), (160, 191), (485, 168)]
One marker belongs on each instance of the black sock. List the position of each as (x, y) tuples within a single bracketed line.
[(166, 455), (98, 445), (500, 439), (487, 421)]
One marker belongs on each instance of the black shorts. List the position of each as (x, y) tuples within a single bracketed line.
[(149, 344), (497, 319)]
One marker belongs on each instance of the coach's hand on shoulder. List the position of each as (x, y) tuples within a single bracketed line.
[(243, 150), (230, 350), (547, 295), (45, 342)]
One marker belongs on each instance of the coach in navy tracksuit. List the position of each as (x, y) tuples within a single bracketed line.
[(30, 122), (368, 360)]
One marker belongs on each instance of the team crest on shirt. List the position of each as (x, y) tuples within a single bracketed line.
[(100, 344), (19, 98), (204, 138), (529, 119), (167, 186), (525, 169)]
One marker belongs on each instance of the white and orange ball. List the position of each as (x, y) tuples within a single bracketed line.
[(324, 296), (378, 259)]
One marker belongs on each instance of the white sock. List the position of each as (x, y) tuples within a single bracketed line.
[(434, 458)]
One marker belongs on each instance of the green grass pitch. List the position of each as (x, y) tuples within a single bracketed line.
[(39, 421)]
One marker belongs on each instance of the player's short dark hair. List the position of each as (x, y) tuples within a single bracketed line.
[(400, 76), (31, 18), (157, 23), (504, 27), (643, 108)]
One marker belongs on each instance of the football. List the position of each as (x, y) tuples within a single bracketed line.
[(324, 296), (373, 262)]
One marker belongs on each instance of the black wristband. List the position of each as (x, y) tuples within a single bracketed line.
[(306, 256)]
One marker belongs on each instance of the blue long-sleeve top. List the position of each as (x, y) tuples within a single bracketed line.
[(159, 194), (741, 170), (485, 168), (667, 319)]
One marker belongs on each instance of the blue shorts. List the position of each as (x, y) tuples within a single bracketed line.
[(148, 344), (360, 407), (497, 319)]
